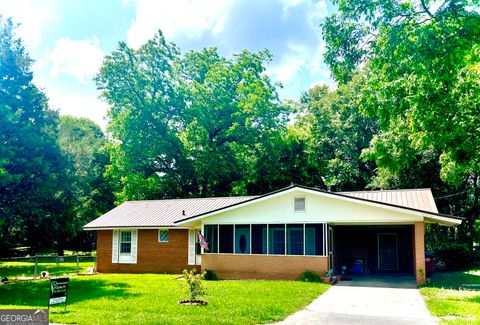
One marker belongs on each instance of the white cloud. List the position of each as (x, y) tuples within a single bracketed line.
[(78, 104), (81, 59), (192, 17), (287, 70), (32, 15)]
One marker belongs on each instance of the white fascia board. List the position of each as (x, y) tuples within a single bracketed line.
[(442, 220)]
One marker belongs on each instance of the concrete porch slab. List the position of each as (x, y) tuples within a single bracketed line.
[(404, 281)]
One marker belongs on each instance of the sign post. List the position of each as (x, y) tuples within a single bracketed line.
[(58, 292)]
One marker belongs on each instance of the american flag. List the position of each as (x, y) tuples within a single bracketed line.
[(202, 241)]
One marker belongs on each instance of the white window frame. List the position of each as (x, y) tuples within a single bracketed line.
[(124, 258), (304, 204), (301, 225), (121, 241), (160, 236)]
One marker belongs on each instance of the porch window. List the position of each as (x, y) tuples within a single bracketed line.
[(126, 242), (295, 239), (269, 239), (276, 235), (226, 239), (211, 236), (242, 239), (314, 239), (259, 239)]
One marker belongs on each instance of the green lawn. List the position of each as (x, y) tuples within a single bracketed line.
[(451, 304), (152, 299), (15, 269)]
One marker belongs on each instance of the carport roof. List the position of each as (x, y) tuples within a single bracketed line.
[(169, 212), (420, 199)]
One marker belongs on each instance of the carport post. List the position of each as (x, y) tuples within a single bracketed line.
[(419, 252)]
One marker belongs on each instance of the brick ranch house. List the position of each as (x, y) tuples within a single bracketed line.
[(273, 236)]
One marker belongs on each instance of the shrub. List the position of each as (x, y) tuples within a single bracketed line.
[(210, 275), (453, 257), (310, 276), (194, 287)]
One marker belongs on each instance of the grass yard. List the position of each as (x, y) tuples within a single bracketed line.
[(15, 269), (152, 299), (453, 305)]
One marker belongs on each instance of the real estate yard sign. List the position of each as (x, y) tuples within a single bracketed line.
[(58, 291)]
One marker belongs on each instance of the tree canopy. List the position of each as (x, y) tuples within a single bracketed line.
[(195, 128), (33, 196), (420, 62), (404, 113)]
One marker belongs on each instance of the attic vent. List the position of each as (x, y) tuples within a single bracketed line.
[(299, 204)]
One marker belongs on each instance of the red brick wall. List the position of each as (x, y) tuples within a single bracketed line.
[(419, 252), (273, 267), (152, 256)]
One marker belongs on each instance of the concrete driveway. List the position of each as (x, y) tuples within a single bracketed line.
[(351, 303)]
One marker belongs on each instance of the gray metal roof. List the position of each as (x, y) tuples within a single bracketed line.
[(164, 213), (420, 199), (160, 213)]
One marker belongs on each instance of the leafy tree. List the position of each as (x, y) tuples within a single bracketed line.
[(339, 133), (84, 145), (190, 125), (145, 106), (420, 60), (232, 111), (34, 199)]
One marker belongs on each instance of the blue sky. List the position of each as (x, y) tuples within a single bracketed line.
[(69, 38)]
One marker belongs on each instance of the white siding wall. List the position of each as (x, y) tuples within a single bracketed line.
[(318, 209)]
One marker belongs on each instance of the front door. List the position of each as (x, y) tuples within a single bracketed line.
[(387, 252)]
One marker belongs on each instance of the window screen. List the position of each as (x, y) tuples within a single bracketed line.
[(226, 239), (299, 204), (314, 239), (259, 239), (276, 239), (295, 239), (211, 236)]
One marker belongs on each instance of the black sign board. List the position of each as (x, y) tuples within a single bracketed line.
[(58, 291)]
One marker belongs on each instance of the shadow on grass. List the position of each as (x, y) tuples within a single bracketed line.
[(453, 280), (36, 293)]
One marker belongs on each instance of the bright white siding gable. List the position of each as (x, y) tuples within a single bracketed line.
[(319, 208)]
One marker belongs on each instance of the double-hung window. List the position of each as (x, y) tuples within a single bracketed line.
[(125, 242)]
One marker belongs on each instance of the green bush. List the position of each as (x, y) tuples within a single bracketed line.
[(210, 275), (310, 276), (453, 257)]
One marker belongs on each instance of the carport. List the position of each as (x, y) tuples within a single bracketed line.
[(373, 249)]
